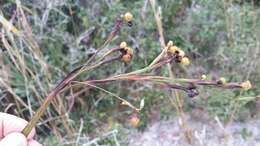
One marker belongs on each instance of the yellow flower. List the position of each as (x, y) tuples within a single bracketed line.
[(126, 57), (246, 85), (129, 50), (185, 61), (123, 45), (128, 17), (203, 77)]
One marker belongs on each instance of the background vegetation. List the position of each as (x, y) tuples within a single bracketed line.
[(220, 37)]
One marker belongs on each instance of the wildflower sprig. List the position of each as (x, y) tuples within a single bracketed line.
[(135, 75), (123, 52)]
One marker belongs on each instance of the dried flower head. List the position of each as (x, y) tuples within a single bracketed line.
[(246, 85), (126, 57), (192, 93), (129, 50)]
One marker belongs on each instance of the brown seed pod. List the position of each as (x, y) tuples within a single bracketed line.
[(126, 57), (129, 50), (134, 121)]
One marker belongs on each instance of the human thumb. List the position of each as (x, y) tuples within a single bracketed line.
[(14, 139)]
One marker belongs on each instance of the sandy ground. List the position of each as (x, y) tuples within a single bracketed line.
[(206, 133)]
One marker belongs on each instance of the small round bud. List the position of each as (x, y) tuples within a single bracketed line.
[(181, 53), (134, 121), (222, 80), (203, 77), (169, 44), (173, 49), (128, 17), (126, 57), (185, 61), (129, 50), (123, 45), (246, 85)]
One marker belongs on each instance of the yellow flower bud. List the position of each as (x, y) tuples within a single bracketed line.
[(246, 85), (126, 57), (169, 44), (173, 49), (181, 53), (203, 77), (222, 80), (123, 45), (129, 50), (134, 121), (128, 17), (185, 61)]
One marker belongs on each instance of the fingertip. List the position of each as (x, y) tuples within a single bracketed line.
[(14, 139), (34, 143), (11, 123), (31, 134)]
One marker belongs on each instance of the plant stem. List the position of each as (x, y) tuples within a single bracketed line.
[(71, 76)]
